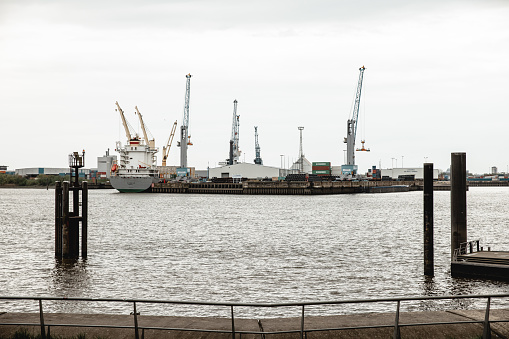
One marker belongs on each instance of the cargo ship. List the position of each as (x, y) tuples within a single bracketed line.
[(136, 169)]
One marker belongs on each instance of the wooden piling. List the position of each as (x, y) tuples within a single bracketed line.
[(65, 221), (458, 200), (84, 220), (74, 236), (428, 221), (75, 200), (58, 219), (67, 229)]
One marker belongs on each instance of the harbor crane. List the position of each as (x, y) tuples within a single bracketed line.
[(150, 142), (132, 137), (166, 149), (300, 162), (185, 138), (350, 167), (234, 140), (258, 160)]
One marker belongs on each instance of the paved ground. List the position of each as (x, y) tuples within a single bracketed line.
[(499, 330)]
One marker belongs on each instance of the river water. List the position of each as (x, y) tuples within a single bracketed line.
[(251, 249)]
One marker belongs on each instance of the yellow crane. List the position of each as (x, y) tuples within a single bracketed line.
[(166, 149), (151, 143), (132, 137)]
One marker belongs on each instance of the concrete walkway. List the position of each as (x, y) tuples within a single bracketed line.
[(499, 330)]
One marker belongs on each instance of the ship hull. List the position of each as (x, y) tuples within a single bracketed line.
[(131, 184)]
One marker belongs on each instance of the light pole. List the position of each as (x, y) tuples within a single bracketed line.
[(402, 161), (281, 160)]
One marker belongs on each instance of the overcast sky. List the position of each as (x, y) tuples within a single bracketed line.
[(436, 79)]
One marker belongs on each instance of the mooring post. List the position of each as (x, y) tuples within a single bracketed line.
[(58, 219), (65, 221), (84, 219), (74, 236), (75, 199), (428, 221), (458, 200)]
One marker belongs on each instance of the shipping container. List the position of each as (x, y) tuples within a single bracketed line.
[(322, 172), (323, 163), (320, 168)]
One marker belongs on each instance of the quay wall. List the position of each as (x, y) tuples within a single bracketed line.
[(288, 187)]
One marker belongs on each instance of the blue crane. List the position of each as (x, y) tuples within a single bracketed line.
[(258, 160)]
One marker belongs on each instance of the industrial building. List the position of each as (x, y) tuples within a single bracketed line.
[(245, 170), (302, 165), (104, 164), (34, 172), (418, 173)]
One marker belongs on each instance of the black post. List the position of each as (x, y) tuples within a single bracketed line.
[(458, 200), (84, 219), (65, 220), (428, 221), (58, 219), (74, 237)]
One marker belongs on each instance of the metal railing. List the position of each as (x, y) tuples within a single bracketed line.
[(302, 330), (467, 247)]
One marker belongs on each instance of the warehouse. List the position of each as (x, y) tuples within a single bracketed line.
[(417, 173), (244, 170)]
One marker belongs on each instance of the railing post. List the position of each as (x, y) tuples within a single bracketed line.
[(136, 334), (302, 324), (43, 331), (486, 334), (233, 323), (397, 334)]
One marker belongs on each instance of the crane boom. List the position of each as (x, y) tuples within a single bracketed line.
[(124, 122), (355, 113), (166, 149), (352, 125), (142, 124), (184, 129)]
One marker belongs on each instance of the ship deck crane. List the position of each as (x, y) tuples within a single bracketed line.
[(350, 167), (258, 160), (185, 138), (150, 142), (166, 149), (132, 137)]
